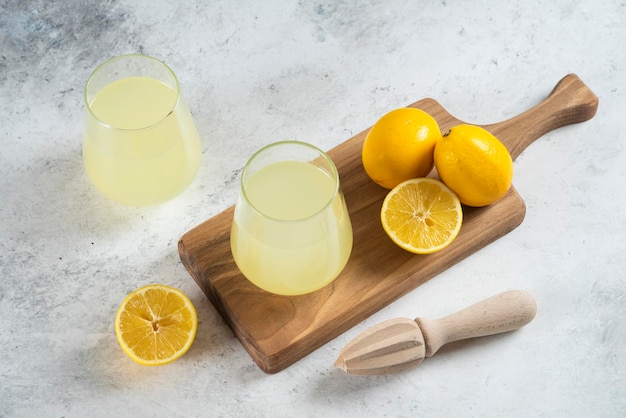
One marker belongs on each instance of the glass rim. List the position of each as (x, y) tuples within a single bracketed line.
[(126, 56), (334, 173)]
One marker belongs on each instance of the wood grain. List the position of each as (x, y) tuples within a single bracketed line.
[(401, 343), (280, 330)]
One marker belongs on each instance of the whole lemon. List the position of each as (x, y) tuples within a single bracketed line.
[(474, 164), (400, 146)]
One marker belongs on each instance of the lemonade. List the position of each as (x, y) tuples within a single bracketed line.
[(141, 146), (296, 236)]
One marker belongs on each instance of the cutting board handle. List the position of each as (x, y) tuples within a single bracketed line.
[(571, 101)]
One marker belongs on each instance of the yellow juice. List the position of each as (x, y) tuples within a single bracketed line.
[(298, 237), (142, 147)]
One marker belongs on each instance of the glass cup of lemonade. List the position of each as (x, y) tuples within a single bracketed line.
[(291, 232), (140, 144)]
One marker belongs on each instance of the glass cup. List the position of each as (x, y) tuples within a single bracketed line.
[(140, 144), (291, 233)]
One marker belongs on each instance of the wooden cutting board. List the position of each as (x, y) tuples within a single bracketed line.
[(279, 330)]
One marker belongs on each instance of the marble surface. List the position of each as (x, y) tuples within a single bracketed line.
[(256, 72)]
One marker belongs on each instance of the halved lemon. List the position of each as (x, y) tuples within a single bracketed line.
[(156, 324), (422, 215)]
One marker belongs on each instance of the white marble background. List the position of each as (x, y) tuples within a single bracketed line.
[(255, 72)]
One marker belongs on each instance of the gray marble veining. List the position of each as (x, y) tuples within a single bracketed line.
[(256, 72)]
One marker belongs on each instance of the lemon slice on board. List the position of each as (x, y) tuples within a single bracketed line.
[(422, 215), (156, 324)]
